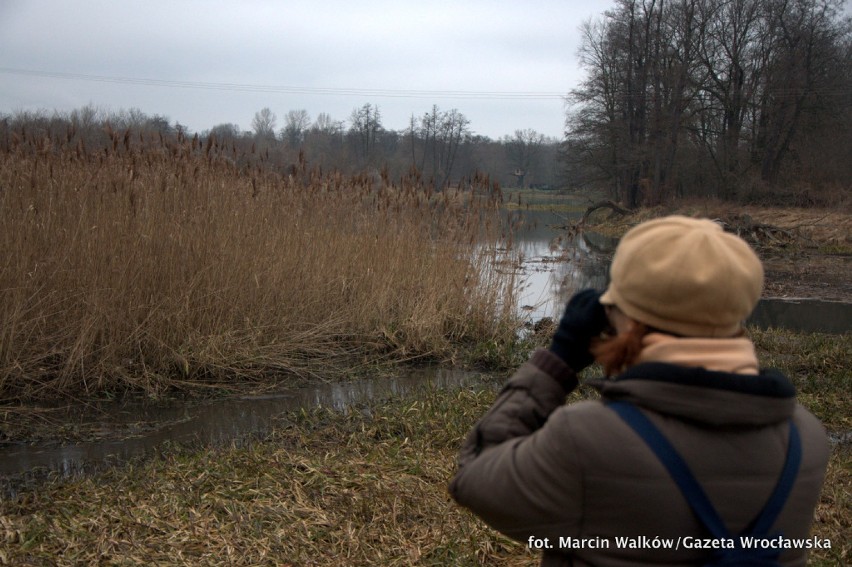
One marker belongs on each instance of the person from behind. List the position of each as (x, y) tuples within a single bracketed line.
[(692, 454)]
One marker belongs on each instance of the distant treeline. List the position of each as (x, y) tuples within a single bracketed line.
[(438, 145), (740, 99)]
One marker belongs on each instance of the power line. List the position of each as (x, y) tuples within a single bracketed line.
[(285, 89)]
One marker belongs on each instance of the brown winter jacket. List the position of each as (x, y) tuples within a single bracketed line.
[(534, 467)]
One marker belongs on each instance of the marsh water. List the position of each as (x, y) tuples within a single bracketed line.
[(133, 430), (553, 269), (549, 269)]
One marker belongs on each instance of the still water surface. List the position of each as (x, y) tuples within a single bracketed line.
[(146, 427)]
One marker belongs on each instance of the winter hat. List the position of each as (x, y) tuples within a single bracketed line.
[(685, 276)]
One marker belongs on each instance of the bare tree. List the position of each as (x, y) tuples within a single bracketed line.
[(364, 131), (594, 148), (523, 152), (263, 124), (804, 34), (87, 123), (327, 125), (298, 122), (437, 140), (225, 132), (733, 53), (673, 88), (718, 84)]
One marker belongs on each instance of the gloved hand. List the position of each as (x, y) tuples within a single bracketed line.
[(583, 319)]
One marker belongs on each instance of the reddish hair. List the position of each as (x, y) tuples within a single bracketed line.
[(619, 352)]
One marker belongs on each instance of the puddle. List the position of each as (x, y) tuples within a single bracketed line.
[(213, 423)]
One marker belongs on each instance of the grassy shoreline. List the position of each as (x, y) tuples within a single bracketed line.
[(362, 487)]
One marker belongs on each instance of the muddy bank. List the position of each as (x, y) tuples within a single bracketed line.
[(808, 274), (807, 253)]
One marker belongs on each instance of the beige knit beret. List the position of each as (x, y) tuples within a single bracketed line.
[(685, 276)]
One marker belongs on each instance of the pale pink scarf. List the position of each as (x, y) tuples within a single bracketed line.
[(736, 355)]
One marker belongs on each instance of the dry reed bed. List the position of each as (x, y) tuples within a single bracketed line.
[(154, 265)]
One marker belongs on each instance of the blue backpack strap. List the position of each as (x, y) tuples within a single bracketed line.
[(692, 491), (761, 525), (674, 463)]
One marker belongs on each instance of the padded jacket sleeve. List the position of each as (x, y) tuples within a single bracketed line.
[(513, 464)]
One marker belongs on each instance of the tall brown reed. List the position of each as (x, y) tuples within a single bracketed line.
[(156, 264)]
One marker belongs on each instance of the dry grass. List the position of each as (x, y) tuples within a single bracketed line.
[(364, 487), (818, 365), (153, 265), (815, 226)]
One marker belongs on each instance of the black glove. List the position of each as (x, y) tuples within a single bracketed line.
[(583, 319)]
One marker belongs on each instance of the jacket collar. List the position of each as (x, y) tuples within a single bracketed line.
[(704, 396)]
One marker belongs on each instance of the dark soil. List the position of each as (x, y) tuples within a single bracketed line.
[(807, 253), (808, 275)]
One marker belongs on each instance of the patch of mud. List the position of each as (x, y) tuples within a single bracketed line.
[(808, 275), (792, 245), (807, 253)]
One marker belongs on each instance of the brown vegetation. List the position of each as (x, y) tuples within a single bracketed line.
[(770, 225), (158, 263)]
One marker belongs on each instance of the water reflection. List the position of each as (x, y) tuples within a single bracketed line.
[(804, 315), (554, 267), (555, 264)]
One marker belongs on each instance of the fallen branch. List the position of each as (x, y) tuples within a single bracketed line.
[(759, 233), (612, 205)]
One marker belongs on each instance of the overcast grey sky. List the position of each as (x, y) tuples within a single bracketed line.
[(504, 64)]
